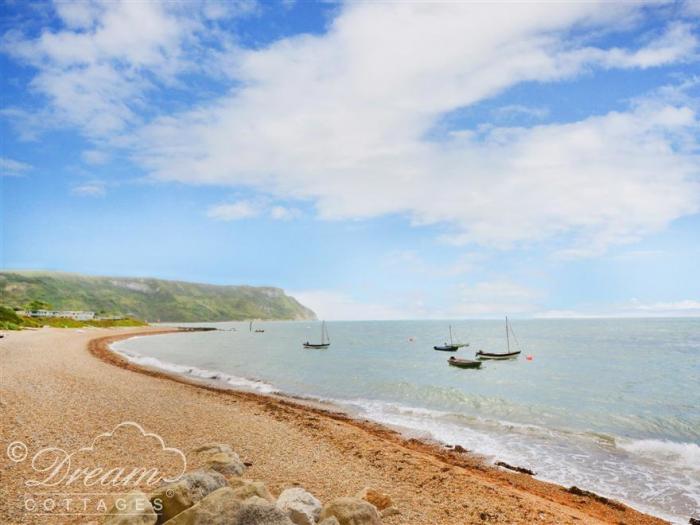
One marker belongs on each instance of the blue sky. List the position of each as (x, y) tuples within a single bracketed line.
[(376, 160)]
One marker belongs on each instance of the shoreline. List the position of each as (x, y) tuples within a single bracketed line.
[(61, 388), (475, 463)]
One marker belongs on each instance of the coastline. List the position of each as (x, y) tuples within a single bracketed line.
[(429, 483)]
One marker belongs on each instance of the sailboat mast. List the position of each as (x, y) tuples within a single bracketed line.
[(323, 332), (507, 334), (451, 335)]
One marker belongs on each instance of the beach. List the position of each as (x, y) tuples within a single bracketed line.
[(60, 388)]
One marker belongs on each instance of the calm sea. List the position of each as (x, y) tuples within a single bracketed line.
[(609, 405)]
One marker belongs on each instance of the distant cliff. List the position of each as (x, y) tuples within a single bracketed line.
[(150, 299)]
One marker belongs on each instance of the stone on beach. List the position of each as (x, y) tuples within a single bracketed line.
[(218, 508), (135, 509), (222, 458), (254, 512), (329, 521), (376, 498), (302, 507), (351, 511), (246, 488), (174, 498)]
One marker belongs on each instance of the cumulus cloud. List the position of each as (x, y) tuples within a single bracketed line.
[(11, 167), (341, 119)]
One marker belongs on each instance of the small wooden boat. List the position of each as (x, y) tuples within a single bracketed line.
[(259, 331), (463, 363), (325, 339), (505, 355)]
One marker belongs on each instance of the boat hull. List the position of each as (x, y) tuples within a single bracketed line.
[(464, 363), (446, 348), (485, 355), (311, 345)]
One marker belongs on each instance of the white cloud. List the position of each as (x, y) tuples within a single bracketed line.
[(246, 209), (340, 119), (11, 167), (514, 110), (95, 157), (234, 211), (685, 307), (99, 68), (90, 189), (632, 308)]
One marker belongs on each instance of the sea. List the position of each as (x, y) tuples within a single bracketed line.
[(609, 405)]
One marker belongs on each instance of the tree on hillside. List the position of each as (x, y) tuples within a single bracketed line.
[(37, 305)]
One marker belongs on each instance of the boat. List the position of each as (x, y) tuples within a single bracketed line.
[(259, 331), (325, 340), (452, 347), (463, 363), (505, 355)]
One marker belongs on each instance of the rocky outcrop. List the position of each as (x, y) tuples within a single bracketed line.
[(351, 511), (133, 509), (256, 512), (302, 507)]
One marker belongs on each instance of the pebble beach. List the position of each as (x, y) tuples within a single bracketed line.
[(61, 388)]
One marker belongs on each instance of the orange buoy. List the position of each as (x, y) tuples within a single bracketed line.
[(529, 357)]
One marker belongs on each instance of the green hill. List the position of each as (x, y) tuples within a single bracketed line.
[(151, 299)]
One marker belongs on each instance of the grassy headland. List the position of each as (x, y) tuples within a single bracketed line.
[(148, 299)]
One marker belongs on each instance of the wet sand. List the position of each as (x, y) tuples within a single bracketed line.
[(61, 388)]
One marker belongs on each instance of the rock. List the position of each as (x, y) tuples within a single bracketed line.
[(170, 500), (220, 457), (376, 498), (132, 509), (389, 511), (246, 488), (218, 508), (302, 507), (213, 448), (227, 463), (330, 521), (254, 513), (351, 511)]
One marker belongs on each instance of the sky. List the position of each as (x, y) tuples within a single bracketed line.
[(377, 160)]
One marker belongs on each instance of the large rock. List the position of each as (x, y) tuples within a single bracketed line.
[(222, 458), (301, 506), (329, 521), (218, 508), (246, 488), (174, 498), (376, 498), (132, 509), (351, 511), (255, 512)]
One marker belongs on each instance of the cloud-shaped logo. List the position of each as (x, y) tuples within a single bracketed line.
[(127, 457)]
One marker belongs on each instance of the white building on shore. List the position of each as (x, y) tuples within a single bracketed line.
[(78, 315)]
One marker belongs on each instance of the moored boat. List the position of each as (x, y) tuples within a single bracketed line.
[(452, 346), (325, 339), (504, 355), (463, 363)]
